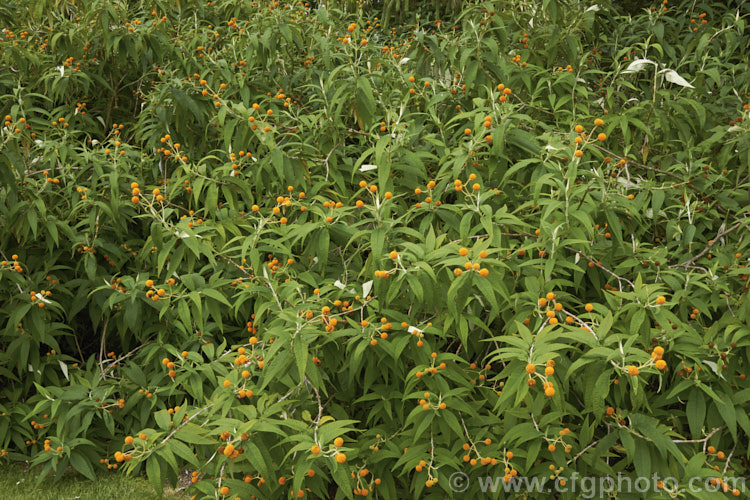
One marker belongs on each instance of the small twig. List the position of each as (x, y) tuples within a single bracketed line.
[(534, 421), (719, 235), (348, 312), (432, 447), (729, 457), (583, 198), (641, 165), (267, 283), (620, 279), (329, 157), (468, 437), (351, 130), (83, 359), (541, 327), (184, 423), (726, 296), (582, 452), (703, 440), (320, 409), (581, 322), (144, 344), (221, 474), (103, 347), (291, 391)]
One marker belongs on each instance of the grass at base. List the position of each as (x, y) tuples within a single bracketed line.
[(19, 483)]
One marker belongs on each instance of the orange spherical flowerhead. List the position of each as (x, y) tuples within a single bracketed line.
[(661, 300), (340, 458), (633, 371)]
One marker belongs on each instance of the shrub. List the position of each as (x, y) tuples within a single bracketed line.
[(301, 254)]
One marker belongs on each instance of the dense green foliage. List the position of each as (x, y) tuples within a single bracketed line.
[(511, 242)]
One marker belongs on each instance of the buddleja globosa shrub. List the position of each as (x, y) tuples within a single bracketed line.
[(296, 253)]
